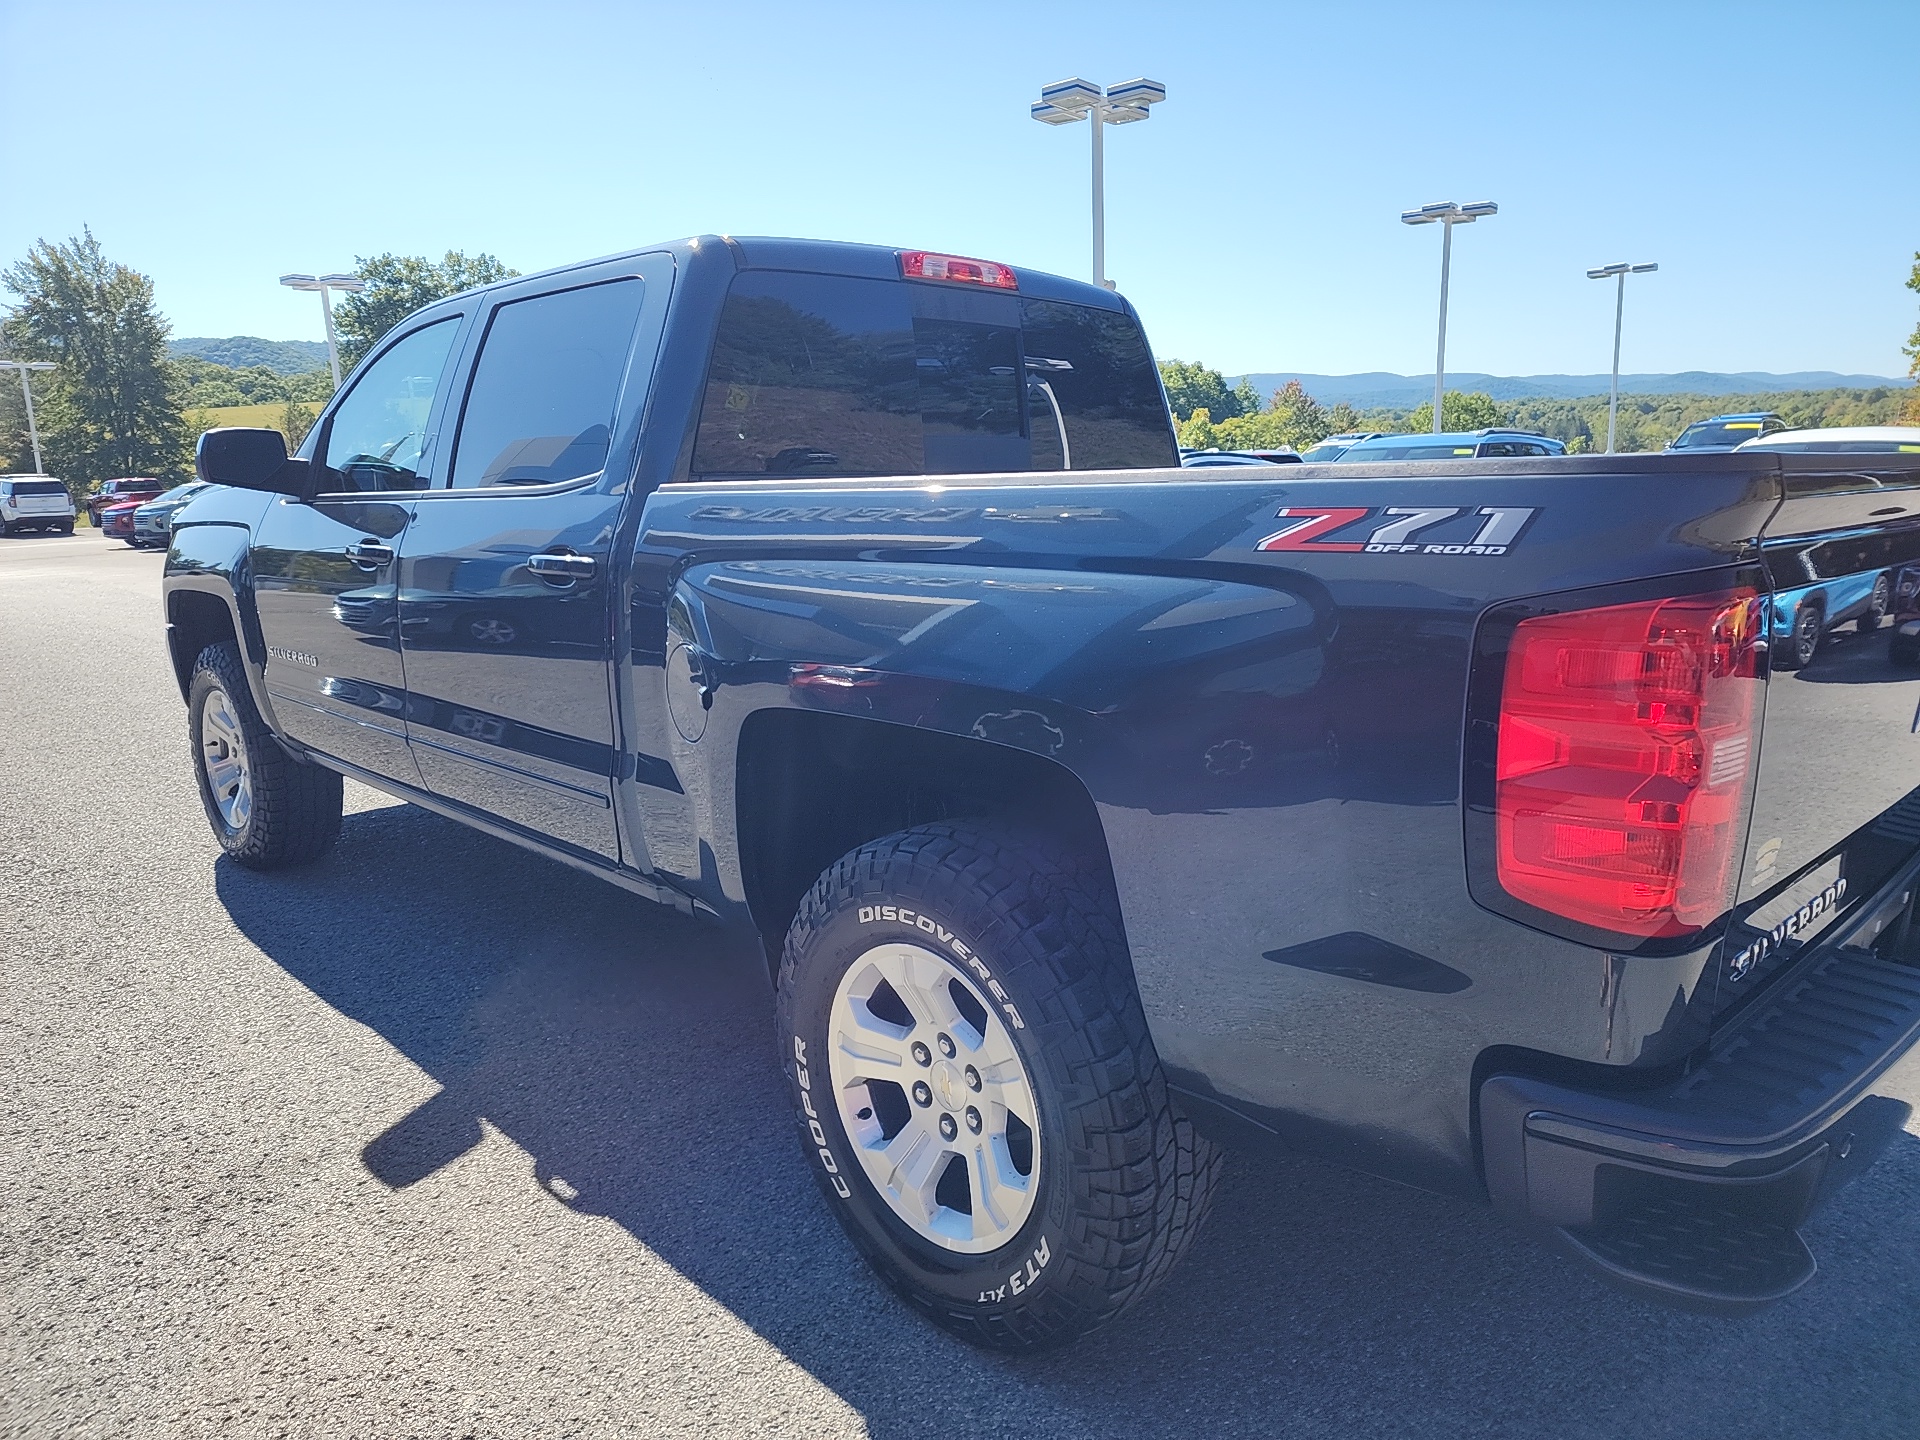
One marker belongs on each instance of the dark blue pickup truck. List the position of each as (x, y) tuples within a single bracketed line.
[(1448, 820)]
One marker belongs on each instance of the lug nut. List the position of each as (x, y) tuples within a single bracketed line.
[(973, 1120), (947, 1128), (921, 1094), (946, 1046), (973, 1078), (922, 1055)]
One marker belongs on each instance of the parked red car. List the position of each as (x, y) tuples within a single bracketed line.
[(112, 492), (116, 521)]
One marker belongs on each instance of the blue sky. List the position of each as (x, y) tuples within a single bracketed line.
[(1766, 155)]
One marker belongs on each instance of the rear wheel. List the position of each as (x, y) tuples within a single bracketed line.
[(1877, 606), (266, 808), (977, 1093)]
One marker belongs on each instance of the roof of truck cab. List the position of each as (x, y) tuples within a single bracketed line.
[(882, 262), (825, 257)]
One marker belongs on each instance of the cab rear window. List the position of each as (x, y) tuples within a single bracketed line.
[(816, 375)]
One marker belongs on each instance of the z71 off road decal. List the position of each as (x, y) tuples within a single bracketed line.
[(1398, 530)]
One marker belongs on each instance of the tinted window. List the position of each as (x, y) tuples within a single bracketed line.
[(37, 487), (1110, 399), (375, 438), (541, 405), (812, 375), (828, 375), (1719, 433)]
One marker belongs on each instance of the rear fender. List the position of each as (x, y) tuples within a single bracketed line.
[(1148, 689)]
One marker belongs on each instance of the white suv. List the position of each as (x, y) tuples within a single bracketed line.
[(30, 502)]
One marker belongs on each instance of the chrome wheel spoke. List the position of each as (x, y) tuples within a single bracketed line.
[(223, 759), (999, 1190), (935, 1097)]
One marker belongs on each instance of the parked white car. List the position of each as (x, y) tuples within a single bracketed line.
[(34, 502)]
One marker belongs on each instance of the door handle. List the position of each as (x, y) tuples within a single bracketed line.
[(561, 567), (370, 554)]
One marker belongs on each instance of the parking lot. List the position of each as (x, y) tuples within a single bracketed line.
[(438, 1138)]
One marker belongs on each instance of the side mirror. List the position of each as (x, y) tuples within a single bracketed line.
[(251, 460)]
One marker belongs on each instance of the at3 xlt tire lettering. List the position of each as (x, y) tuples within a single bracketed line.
[(1118, 1182)]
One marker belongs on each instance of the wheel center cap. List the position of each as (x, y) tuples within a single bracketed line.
[(949, 1085)]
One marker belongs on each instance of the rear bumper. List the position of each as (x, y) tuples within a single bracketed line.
[(1696, 1191)]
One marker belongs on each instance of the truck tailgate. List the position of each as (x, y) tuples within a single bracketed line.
[(1839, 748)]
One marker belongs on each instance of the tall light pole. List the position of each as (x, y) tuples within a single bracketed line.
[(1067, 102), (1619, 308), (326, 285), (26, 394), (1446, 214)]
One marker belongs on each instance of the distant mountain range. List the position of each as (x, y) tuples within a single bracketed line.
[(242, 352), (1379, 388)]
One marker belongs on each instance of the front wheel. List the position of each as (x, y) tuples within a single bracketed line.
[(266, 808), (976, 1091)]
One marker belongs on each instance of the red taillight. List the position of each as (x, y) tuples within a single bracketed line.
[(1625, 749), (924, 265)]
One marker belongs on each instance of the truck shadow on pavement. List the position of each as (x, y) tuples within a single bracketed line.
[(630, 1051)]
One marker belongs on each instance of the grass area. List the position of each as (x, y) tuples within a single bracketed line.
[(254, 416)]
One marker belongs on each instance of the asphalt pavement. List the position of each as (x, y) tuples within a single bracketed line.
[(438, 1138)]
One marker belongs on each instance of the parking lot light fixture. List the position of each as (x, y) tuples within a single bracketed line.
[(1067, 102), (1446, 214), (1607, 272), (326, 285), (26, 394)]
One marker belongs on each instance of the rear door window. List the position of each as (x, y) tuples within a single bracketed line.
[(541, 406), (834, 375)]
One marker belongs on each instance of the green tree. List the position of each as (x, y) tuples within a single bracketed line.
[(295, 421), (1192, 386), (1343, 418), (1913, 347), (1197, 431), (113, 406), (398, 285), (1460, 410)]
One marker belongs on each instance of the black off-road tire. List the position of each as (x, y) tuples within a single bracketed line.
[(296, 805), (1123, 1181)]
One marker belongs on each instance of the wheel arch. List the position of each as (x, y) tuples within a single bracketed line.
[(810, 786), (207, 592)]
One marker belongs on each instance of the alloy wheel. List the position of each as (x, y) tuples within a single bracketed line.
[(223, 754), (935, 1098)]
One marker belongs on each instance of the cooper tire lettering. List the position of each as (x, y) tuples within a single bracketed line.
[(814, 1130)]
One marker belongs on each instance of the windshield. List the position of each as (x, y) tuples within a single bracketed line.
[(1718, 433), (1326, 450)]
